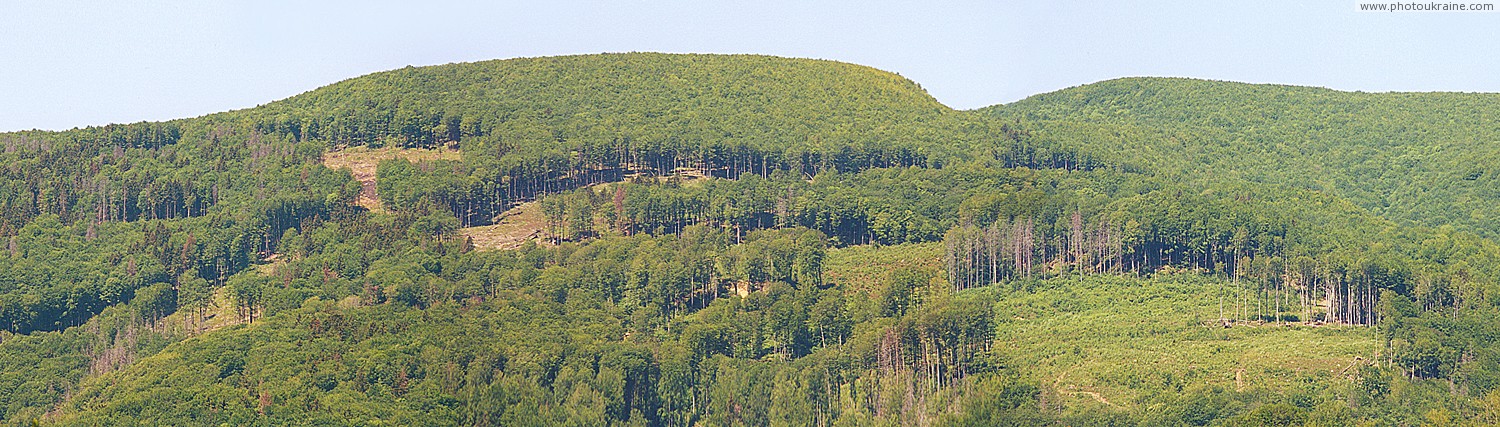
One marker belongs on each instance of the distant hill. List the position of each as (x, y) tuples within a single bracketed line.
[(748, 98), (660, 110), (1425, 158), (538, 125), (752, 240)]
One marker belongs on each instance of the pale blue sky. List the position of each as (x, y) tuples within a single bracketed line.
[(77, 63)]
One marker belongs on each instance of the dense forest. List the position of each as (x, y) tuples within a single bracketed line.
[(750, 240), (1422, 158)]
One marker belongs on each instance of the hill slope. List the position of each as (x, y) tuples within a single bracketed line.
[(151, 218), (1426, 158), (846, 252), (735, 113), (538, 125)]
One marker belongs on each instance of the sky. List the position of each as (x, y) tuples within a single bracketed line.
[(66, 64)]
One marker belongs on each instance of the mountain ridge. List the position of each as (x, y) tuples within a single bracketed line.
[(1397, 154), (748, 240)]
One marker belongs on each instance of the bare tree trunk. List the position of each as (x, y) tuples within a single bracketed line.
[(991, 244)]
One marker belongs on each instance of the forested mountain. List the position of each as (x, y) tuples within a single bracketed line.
[(750, 240), (1424, 158), (530, 126)]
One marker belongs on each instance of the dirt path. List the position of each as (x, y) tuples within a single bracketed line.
[(516, 226), (362, 161), (1094, 395), (1057, 385)]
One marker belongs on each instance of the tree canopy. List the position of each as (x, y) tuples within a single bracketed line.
[(737, 239)]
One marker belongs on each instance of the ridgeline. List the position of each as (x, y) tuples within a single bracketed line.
[(753, 240)]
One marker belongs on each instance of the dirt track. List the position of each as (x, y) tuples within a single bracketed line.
[(362, 162)]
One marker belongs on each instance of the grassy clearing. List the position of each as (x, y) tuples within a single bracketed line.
[(1121, 339), (516, 226), (220, 314), (362, 161), (862, 268)]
